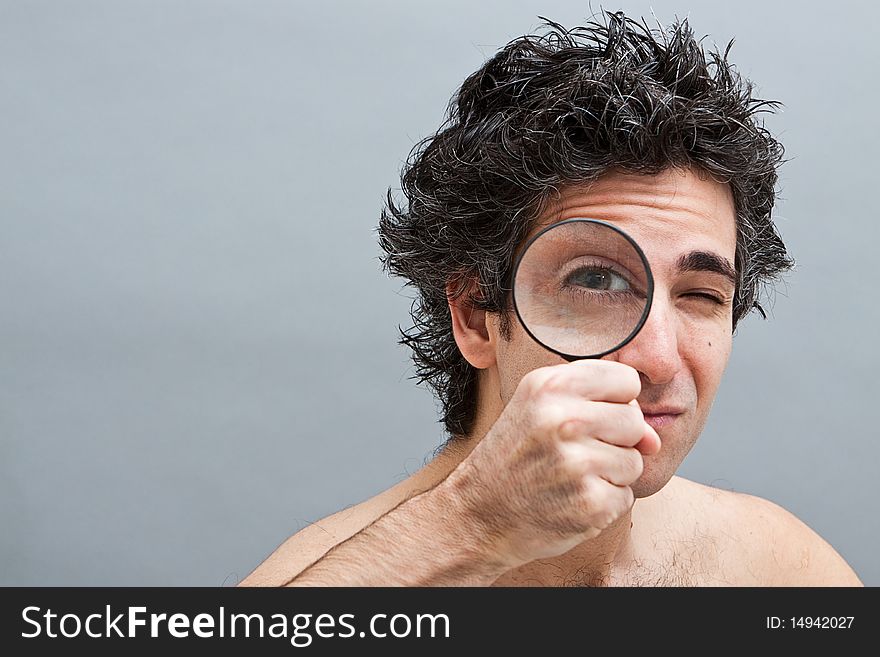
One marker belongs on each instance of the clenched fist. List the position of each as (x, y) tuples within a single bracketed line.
[(556, 467)]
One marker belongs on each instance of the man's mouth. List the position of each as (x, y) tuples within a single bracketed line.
[(661, 417)]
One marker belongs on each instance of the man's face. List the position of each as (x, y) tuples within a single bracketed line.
[(686, 227)]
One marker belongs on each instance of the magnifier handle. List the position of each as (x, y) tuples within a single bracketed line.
[(572, 359)]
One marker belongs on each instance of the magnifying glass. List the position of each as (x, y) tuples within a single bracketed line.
[(582, 288)]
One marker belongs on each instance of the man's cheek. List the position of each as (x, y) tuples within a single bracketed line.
[(710, 350), (719, 355), (707, 390)]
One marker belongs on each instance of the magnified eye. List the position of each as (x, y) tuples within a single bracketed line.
[(598, 278), (582, 288)]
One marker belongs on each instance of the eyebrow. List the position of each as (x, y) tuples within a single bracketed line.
[(707, 261)]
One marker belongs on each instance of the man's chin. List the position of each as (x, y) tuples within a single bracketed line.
[(654, 477)]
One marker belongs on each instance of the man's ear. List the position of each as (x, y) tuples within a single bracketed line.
[(470, 326)]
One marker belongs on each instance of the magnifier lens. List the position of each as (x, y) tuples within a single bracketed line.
[(582, 288)]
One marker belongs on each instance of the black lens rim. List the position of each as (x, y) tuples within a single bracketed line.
[(649, 293)]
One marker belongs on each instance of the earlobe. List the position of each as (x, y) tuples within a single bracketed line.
[(470, 327)]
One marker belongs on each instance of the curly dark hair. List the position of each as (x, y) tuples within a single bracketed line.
[(553, 109)]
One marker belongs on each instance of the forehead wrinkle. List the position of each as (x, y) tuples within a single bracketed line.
[(660, 226), (621, 206), (659, 192)]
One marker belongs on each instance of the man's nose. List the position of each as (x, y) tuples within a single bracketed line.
[(654, 351)]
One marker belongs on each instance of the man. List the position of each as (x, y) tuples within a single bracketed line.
[(561, 473)]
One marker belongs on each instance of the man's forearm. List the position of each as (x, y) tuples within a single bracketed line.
[(421, 542)]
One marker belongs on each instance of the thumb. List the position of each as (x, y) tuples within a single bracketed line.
[(650, 442)]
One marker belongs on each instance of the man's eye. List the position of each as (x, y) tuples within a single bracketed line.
[(709, 297), (598, 278)]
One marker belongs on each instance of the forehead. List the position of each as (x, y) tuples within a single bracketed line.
[(668, 214)]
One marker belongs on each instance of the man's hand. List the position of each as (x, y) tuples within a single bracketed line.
[(556, 467), (554, 470)]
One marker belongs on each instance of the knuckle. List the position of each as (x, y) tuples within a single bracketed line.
[(569, 429), (530, 383), (532, 380), (636, 464), (586, 487), (607, 503), (554, 417), (606, 517), (568, 455), (632, 422), (627, 377), (595, 494), (629, 499), (575, 425), (542, 380), (633, 381), (552, 384), (556, 381), (614, 423), (611, 423), (626, 374)]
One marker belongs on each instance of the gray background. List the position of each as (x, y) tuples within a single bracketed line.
[(197, 343)]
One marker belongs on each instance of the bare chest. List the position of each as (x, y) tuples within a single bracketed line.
[(653, 575), (664, 561)]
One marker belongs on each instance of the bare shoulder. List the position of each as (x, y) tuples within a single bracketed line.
[(315, 539), (756, 542), (307, 546)]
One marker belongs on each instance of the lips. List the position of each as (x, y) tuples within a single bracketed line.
[(661, 410), (661, 417)]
